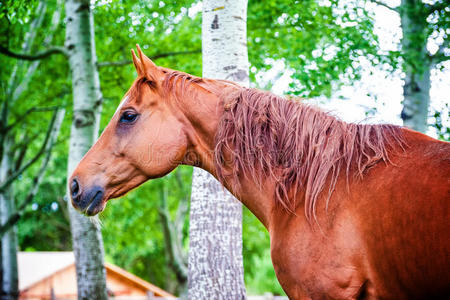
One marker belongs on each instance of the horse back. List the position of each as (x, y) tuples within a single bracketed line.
[(402, 210)]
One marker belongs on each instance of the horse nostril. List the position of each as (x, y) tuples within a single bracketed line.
[(74, 188)]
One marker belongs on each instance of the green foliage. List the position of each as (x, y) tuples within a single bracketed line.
[(320, 41), (259, 273), (298, 33), (17, 11), (442, 131), (45, 224), (132, 231), (29, 91)]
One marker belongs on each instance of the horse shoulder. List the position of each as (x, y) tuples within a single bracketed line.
[(313, 260)]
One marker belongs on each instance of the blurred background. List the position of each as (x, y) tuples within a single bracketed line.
[(350, 57)]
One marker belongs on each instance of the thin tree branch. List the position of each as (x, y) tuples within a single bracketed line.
[(21, 117), (43, 54), (156, 56), (119, 63), (22, 151), (26, 140), (385, 5), (42, 151), (37, 179), (436, 59)]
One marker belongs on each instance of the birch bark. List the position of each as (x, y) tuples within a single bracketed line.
[(9, 280), (417, 65), (215, 249), (87, 98)]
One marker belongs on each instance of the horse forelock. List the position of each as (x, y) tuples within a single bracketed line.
[(298, 146)]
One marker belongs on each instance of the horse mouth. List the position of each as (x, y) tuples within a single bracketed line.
[(95, 206)]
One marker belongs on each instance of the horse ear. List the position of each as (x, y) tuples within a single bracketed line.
[(137, 64), (148, 67)]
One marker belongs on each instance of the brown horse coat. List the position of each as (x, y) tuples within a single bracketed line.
[(353, 211)]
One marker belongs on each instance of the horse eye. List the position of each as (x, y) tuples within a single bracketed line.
[(128, 117)]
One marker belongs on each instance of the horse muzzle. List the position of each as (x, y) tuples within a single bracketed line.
[(89, 201)]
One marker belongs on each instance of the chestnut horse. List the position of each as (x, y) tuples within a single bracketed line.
[(353, 211)]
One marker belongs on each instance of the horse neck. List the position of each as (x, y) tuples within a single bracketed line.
[(204, 109), (201, 112)]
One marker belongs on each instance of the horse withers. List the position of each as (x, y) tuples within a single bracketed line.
[(353, 211)]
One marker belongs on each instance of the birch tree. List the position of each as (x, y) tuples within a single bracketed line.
[(420, 22), (9, 214), (418, 62), (87, 99), (80, 51), (9, 288), (215, 249)]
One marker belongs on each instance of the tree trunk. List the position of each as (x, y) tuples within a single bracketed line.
[(215, 249), (9, 288), (86, 234), (416, 65)]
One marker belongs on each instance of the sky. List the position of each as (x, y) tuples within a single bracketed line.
[(351, 103)]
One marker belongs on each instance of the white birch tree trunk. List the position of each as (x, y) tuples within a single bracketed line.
[(416, 65), (9, 288), (215, 233), (87, 98)]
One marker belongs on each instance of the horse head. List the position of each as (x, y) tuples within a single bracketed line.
[(148, 136)]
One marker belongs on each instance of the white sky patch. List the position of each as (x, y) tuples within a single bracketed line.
[(194, 9)]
